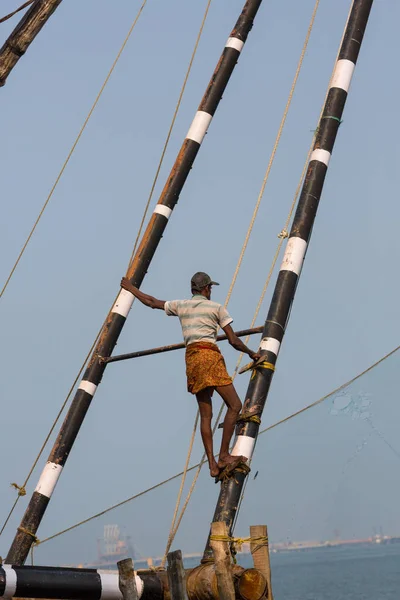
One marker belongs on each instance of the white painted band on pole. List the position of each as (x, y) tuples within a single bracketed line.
[(163, 210), (343, 74), (48, 479), (88, 386), (270, 344), (11, 582), (110, 586), (234, 43), (321, 155), (199, 126), (294, 255), (244, 446), (123, 304)]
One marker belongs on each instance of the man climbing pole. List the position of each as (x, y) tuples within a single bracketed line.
[(200, 319)]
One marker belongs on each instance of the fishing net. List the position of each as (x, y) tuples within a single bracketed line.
[(324, 476)]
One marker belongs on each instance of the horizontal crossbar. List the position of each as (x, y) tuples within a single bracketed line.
[(161, 349)]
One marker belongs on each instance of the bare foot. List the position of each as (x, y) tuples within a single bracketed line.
[(229, 460)]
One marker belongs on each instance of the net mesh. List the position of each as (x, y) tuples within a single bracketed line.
[(324, 476)]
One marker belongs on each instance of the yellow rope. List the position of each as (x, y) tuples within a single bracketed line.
[(27, 532), (21, 489), (281, 422), (238, 542), (173, 532), (74, 145), (248, 418)]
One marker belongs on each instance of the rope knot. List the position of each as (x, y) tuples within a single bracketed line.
[(283, 234), (227, 474), (36, 540), (248, 418), (20, 488), (236, 543)]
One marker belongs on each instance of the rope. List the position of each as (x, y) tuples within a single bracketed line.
[(22, 488), (198, 466), (178, 500), (275, 147), (284, 234), (173, 532), (16, 11), (171, 128), (74, 145), (118, 505), (248, 418), (27, 532), (278, 423), (225, 475), (238, 542), (200, 32)]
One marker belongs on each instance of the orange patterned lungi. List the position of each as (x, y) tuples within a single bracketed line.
[(205, 367)]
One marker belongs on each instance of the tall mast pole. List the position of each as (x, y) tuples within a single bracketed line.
[(23, 35), (285, 289), (40, 499)]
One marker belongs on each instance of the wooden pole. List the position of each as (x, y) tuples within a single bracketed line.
[(290, 271), (260, 554), (222, 558), (116, 318), (171, 347), (23, 35), (176, 576), (59, 583), (127, 581)]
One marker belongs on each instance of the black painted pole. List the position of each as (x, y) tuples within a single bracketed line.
[(63, 583), (279, 311), (23, 35), (25, 535), (171, 347), (75, 584)]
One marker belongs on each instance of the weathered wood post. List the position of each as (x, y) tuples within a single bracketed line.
[(127, 581), (222, 558), (260, 553), (176, 576), (23, 35)]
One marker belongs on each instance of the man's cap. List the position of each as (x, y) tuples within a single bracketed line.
[(200, 280)]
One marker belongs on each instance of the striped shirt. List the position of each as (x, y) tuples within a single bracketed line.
[(200, 318)]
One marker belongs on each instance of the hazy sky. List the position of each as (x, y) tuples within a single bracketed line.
[(346, 310)]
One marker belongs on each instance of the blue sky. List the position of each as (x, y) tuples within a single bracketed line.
[(346, 310)]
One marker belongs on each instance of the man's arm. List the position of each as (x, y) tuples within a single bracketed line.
[(238, 344), (144, 298)]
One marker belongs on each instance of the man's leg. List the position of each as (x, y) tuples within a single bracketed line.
[(205, 408), (232, 401)]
